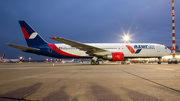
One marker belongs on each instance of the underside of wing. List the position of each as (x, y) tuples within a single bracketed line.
[(23, 48), (91, 50)]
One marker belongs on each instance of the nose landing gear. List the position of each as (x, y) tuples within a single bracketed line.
[(159, 62)]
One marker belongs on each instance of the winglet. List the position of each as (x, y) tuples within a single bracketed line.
[(54, 37)]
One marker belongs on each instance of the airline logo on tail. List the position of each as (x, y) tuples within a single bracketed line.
[(21, 59), (33, 35), (27, 36)]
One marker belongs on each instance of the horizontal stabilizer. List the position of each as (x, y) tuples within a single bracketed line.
[(23, 48)]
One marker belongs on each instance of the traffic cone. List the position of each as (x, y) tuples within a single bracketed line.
[(53, 64)]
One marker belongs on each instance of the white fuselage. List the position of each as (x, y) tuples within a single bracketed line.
[(145, 49)]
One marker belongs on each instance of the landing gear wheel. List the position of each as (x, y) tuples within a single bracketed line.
[(159, 62), (94, 62), (176, 62), (97, 62)]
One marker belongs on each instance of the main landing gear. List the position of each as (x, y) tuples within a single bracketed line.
[(94, 61)]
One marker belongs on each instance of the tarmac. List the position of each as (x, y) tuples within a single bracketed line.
[(85, 82)]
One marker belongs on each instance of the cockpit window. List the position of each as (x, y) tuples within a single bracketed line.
[(166, 48)]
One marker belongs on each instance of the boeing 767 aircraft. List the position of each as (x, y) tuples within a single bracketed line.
[(73, 49)]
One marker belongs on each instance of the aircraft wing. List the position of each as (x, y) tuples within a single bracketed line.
[(91, 50), (23, 48)]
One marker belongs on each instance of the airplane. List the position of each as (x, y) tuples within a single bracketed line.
[(2, 58), (11, 60), (95, 51), (72, 61)]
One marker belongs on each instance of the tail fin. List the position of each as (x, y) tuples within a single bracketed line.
[(31, 36), (2, 57), (22, 59)]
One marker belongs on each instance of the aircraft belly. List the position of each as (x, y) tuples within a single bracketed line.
[(76, 52)]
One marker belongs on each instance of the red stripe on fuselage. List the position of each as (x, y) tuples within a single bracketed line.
[(56, 49), (26, 35), (130, 49)]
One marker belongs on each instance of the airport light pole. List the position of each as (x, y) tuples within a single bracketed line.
[(29, 59), (173, 60), (173, 30)]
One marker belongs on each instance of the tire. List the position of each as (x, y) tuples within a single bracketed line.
[(159, 62), (176, 62), (97, 62), (92, 62)]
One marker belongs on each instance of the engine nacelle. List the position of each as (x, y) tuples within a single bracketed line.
[(115, 56)]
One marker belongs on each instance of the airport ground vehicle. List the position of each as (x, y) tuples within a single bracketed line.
[(170, 61)]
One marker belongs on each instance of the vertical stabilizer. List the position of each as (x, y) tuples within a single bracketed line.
[(2, 57), (31, 36)]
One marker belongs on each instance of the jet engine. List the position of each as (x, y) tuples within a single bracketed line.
[(115, 56)]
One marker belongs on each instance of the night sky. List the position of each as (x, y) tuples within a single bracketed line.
[(88, 21)]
